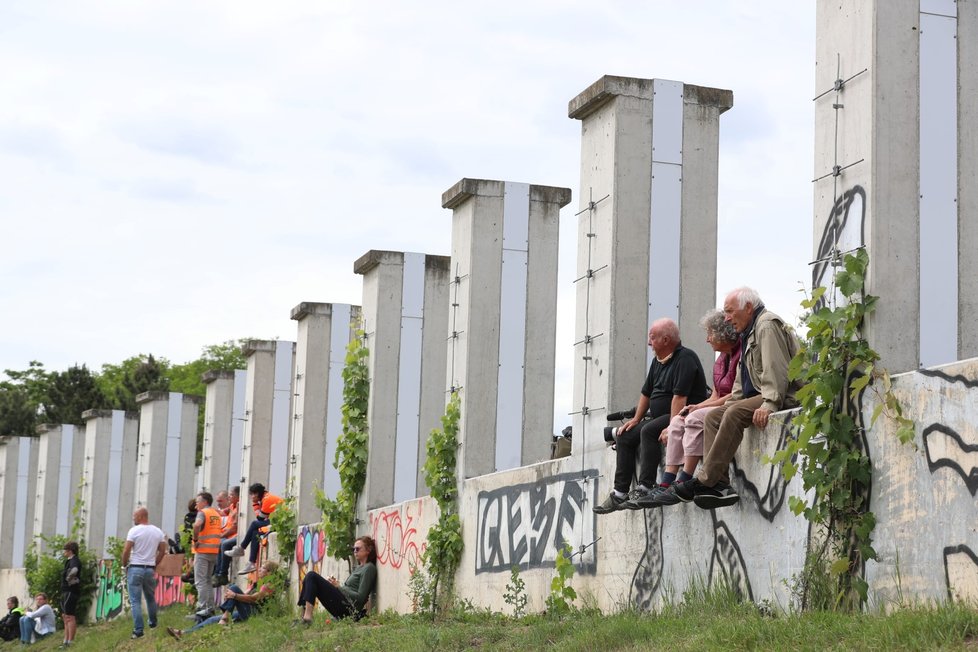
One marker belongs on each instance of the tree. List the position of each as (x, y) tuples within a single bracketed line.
[(122, 383), (21, 398), (69, 393)]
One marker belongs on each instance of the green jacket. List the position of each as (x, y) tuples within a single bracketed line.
[(767, 352)]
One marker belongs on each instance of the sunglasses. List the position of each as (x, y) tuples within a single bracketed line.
[(357, 548)]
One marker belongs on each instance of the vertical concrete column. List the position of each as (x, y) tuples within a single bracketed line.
[(61, 450), (9, 462), (167, 447), (217, 452), (895, 160), (268, 408), (323, 332), (25, 449), (646, 231), (405, 310), (109, 472), (503, 317)]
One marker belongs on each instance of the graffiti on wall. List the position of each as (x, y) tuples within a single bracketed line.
[(395, 532), (727, 562), (310, 548), (526, 524), (775, 487), (648, 573), (961, 573), (111, 595), (844, 230)]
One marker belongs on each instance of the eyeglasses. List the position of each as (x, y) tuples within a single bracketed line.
[(357, 548)]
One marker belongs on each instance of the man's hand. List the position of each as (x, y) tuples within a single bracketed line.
[(631, 423), (760, 417)]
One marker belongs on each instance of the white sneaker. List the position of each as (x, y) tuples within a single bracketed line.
[(236, 551), (249, 568)]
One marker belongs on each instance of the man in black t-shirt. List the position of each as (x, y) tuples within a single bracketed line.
[(675, 378)]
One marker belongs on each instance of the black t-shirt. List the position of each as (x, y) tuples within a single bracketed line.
[(680, 375), (71, 581)]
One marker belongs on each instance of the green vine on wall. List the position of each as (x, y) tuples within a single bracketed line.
[(433, 582), (836, 364), (284, 523), (340, 513)]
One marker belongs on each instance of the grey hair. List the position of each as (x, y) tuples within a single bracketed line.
[(714, 324), (744, 295)]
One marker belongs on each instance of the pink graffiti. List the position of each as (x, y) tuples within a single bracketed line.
[(169, 590), (395, 537), (310, 548)]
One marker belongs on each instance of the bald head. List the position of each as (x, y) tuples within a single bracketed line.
[(140, 516), (664, 337)]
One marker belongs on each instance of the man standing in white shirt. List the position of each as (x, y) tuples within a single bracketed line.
[(145, 547)]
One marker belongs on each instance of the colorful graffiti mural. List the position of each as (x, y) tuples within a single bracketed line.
[(111, 596), (395, 532), (310, 548)]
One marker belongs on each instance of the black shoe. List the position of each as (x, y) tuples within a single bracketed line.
[(688, 490), (719, 495), (152, 625), (646, 499), (136, 635), (666, 498), (611, 504), (219, 580), (638, 494)]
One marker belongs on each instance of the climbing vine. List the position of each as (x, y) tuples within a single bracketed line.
[(284, 523), (340, 513), (434, 579), (836, 365)]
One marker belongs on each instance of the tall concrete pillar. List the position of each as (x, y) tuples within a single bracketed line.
[(13, 504), (323, 332), (896, 156), (61, 452), (503, 317), (223, 429), (646, 232), (268, 408), (165, 464), (24, 499), (405, 312), (109, 489)]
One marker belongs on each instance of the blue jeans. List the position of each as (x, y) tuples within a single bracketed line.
[(239, 611), (223, 561), (142, 581), (251, 538), (27, 629)]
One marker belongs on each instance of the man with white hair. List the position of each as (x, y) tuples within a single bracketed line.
[(675, 378), (761, 387)]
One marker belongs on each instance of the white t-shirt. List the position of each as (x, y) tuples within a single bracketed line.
[(145, 541)]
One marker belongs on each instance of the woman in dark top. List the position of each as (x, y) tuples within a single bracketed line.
[(349, 598), (70, 590)]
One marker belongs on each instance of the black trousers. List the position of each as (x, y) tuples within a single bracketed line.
[(644, 440), (315, 586)]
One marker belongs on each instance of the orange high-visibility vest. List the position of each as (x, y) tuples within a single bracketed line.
[(209, 538)]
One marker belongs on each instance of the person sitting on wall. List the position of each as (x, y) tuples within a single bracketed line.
[(10, 624), (675, 379), (229, 537), (762, 387), (264, 504), (349, 598), (238, 605), (684, 436), (38, 623)]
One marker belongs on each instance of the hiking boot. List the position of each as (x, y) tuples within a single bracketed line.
[(719, 495), (611, 504), (236, 551), (650, 500), (637, 494), (249, 568)]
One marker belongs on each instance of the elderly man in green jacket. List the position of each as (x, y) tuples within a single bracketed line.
[(761, 387)]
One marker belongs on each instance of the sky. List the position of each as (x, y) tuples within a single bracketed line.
[(177, 174)]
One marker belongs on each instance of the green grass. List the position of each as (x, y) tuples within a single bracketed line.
[(697, 625)]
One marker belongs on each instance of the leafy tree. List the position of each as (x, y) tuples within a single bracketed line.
[(186, 378), (122, 383), (69, 393), (18, 415)]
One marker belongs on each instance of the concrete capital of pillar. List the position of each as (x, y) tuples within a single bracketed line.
[(466, 188), (254, 346), (42, 428), (376, 257), (147, 397), (307, 308), (610, 86), (209, 377)]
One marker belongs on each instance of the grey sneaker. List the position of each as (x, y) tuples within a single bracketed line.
[(637, 494), (719, 495), (666, 498), (650, 500), (611, 504)]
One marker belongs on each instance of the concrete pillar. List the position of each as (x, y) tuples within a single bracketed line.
[(165, 464), (223, 429), (646, 232), (504, 296), (896, 154), (268, 408), (61, 451), (109, 472), (405, 311), (18, 463), (323, 333)]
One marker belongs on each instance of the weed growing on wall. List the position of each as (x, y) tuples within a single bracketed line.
[(836, 364), (515, 595), (340, 513), (433, 581), (284, 523), (562, 594)]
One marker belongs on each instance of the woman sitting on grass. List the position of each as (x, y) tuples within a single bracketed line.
[(238, 606), (349, 598)]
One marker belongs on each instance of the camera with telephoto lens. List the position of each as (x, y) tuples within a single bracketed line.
[(611, 432)]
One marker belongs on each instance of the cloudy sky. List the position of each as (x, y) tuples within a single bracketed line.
[(176, 174)]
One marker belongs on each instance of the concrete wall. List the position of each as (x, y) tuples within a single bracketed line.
[(109, 471), (642, 558), (323, 332), (503, 319), (646, 233), (405, 313), (216, 451), (13, 504), (61, 453)]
